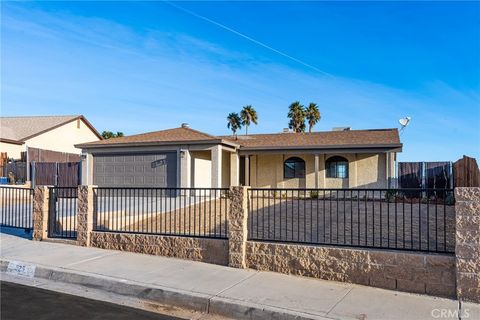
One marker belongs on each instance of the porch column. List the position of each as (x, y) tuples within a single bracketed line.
[(234, 169), (217, 166), (321, 173), (185, 168), (247, 170), (352, 171), (315, 170)]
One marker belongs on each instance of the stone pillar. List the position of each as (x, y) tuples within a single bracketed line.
[(237, 227), (467, 243), (40, 213), (217, 166), (84, 215)]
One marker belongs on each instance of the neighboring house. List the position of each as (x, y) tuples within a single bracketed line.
[(183, 157), (55, 133)]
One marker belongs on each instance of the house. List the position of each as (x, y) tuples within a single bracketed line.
[(183, 157), (55, 133)]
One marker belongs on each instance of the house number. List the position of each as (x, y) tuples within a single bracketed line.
[(158, 163), (21, 269)]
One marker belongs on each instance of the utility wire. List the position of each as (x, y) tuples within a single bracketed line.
[(248, 38)]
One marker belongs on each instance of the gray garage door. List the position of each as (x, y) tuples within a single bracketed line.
[(135, 170)]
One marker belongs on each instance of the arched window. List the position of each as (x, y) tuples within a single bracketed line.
[(337, 167), (294, 167)]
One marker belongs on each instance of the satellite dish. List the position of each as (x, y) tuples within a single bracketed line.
[(404, 123)]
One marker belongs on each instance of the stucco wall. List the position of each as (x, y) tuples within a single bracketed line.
[(201, 169), (63, 138), (225, 169), (12, 150), (365, 171), (196, 249), (371, 171), (432, 274)]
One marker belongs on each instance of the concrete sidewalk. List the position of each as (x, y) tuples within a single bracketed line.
[(229, 292)]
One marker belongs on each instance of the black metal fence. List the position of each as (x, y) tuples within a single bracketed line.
[(62, 212), (194, 212), (405, 219), (16, 207)]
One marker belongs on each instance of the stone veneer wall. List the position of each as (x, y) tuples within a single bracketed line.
[(432, 274), (467, 239), (196, 249)]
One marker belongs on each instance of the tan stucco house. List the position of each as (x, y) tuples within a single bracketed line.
[(183, 157), (55, 133)]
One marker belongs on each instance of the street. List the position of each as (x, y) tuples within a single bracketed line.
[(20, 302)]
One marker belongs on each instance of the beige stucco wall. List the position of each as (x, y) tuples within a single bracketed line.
[(63, 138), (201, 169), (225, 169), (12, 150), (365, 171)]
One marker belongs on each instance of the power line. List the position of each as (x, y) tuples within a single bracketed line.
[(248, 38)]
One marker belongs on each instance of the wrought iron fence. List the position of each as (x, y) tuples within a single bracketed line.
[(62, 212), (405, 219), (16, 207), (194, 212)]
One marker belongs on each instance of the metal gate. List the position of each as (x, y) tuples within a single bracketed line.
[(62, 212)]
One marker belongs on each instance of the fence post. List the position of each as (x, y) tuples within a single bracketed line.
[(40, 213), (467, 243), (85, 215), (237, 227)]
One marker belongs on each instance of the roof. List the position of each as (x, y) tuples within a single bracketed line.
[(19, 129), (325, 139), (374, 138), (169, 136)]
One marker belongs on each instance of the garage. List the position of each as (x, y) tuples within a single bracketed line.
[(135, 170)]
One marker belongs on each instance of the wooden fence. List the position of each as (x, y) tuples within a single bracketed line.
[(466, 172)]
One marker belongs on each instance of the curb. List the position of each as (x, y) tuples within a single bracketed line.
[(209, 304)]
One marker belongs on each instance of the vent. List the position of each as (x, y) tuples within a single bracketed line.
[(341, 129), (185, 125), (286, 130)]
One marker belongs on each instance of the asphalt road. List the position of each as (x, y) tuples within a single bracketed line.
[(22, 302)]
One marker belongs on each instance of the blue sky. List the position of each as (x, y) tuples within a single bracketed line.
[(145, 66)]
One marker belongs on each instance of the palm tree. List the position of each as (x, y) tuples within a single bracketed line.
[(234, 122), (296, 113), (248, 115), (313, 115), (110, 134)]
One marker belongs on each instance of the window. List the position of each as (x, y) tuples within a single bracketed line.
[(337, 167), (294, 168)]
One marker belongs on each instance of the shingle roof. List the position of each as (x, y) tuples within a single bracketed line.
[(343, 139), (182, 134), (376, 137), (23, 128)]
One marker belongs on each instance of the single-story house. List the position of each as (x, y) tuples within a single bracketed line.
[(55, 133), (183, 157)]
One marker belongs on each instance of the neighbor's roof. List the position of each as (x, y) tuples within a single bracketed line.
[(19, 129), (324, 139), (385, 138), (169, 136)]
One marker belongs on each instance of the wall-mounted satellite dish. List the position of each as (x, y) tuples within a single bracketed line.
[(404, 123)]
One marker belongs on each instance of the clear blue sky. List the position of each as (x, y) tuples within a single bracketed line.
[(145, 66)]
